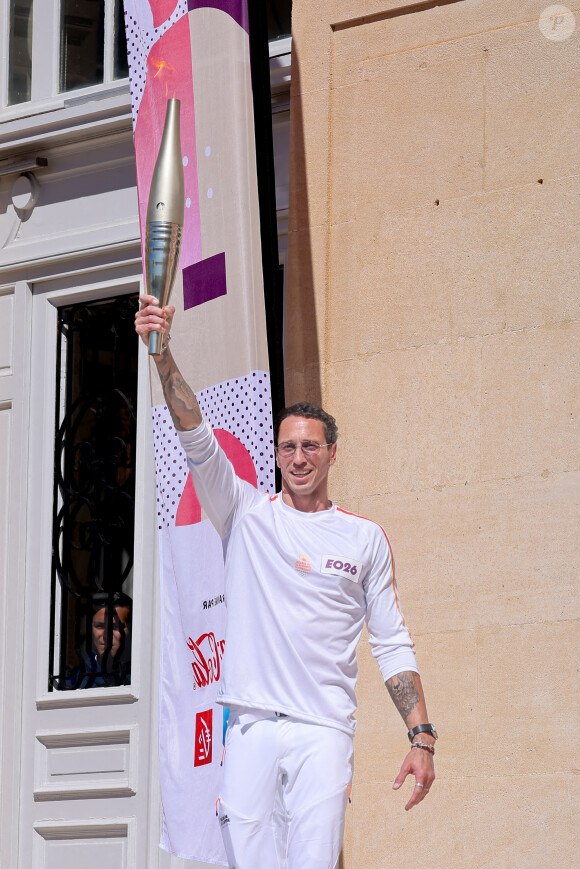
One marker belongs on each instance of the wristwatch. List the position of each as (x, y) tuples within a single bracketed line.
[(422, 728)]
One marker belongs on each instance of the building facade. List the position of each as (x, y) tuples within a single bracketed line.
[(431, 225), (433, 305)]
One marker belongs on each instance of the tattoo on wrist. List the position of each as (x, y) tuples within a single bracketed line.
[(403, 693)]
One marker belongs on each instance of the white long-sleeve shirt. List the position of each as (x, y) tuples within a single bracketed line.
[(298, 588)]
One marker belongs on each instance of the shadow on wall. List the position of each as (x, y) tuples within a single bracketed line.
[(302, 357)]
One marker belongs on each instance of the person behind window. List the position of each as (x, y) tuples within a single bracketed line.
[(109, 661), (112, 654)]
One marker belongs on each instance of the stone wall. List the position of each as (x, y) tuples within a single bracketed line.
[(433, 307)]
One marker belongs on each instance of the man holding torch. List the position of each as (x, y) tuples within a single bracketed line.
[(302, 576)]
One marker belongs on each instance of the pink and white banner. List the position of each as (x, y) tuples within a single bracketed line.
[(198, 52)]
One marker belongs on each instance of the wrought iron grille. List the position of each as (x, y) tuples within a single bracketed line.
[(94, 495)]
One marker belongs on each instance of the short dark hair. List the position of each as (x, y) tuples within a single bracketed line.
[(110, 601), (308, 411)]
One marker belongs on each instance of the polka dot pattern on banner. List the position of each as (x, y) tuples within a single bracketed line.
[(140, 41), (241, 406), (170, 466)]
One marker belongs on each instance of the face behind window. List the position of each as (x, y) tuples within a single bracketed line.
[(120, 633)]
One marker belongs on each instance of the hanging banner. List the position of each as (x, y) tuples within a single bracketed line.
[(198, 52)]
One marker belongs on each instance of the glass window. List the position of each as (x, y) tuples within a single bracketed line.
[(20, 51), (279, 18), (85, 57), (121, 61), (82, 43), (94, 495)]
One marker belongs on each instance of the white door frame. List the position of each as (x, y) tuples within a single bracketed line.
[(88, 757)]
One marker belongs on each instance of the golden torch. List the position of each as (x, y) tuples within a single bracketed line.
[(165, 217)]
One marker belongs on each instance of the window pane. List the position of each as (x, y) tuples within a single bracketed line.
[(279, 18), (82, 43), (20, 57), (121, 69), (94, 495)]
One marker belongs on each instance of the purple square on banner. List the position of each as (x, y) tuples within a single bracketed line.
[(204, 281), (238, 9)]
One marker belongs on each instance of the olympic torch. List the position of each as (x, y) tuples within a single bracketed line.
[(165, 217)]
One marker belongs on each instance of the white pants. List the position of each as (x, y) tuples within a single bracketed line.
[(284, 794)]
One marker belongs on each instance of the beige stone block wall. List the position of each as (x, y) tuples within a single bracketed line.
[(433, 307)]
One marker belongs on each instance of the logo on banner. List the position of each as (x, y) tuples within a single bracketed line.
[(203, 731), (214, 601), (207, 657)]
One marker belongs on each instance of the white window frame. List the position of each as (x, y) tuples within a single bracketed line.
[(41, 518), (46, 40)]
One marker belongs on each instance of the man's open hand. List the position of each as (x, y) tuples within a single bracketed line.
[(418, 763)]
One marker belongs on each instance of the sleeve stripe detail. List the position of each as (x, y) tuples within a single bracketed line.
[(356, 515)]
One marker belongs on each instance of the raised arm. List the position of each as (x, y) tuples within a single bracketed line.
[(407, 694), (179, 396), (221, 493)]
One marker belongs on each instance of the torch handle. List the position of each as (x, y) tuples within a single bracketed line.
[(162, 244)]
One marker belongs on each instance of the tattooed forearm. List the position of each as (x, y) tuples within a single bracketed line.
[(179, 396), (404, 692)]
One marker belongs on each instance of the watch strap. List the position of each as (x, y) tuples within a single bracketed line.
[(422, 728)]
